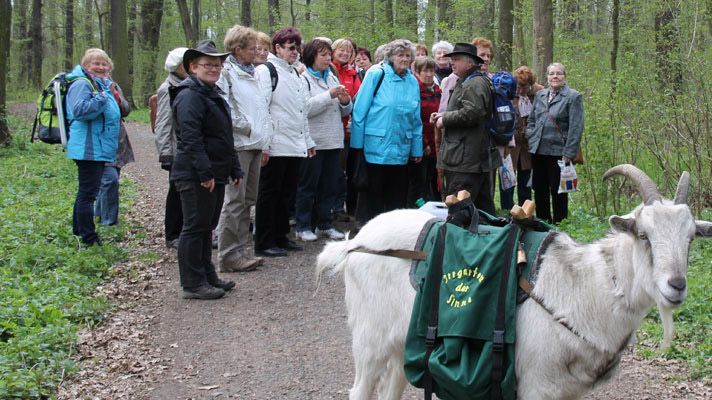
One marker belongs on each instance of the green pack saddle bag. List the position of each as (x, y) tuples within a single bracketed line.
[(470, 351)]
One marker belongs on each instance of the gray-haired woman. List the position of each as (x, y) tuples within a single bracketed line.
[(386, 125), (554, 131)]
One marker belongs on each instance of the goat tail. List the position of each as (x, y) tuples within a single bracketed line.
[(333, 258)]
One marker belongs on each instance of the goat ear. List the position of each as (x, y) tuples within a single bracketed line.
[(622, 224), (704, 229)]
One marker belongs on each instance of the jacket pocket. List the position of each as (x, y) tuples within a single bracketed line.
[(453, 150)]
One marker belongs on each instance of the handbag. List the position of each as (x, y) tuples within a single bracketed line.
[(360, 174), (578, 159)]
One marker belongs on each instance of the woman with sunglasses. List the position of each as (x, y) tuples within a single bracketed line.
[(289, 144), (205, 161)]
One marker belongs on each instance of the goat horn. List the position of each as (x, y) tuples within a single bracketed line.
[(646, 187), (683, 186)]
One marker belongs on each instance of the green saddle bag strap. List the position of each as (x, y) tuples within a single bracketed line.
[(498, 337), (432, 334)]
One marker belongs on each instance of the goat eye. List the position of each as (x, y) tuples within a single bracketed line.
[(642, 236)]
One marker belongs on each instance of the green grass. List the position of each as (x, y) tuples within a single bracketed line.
[(141, 115), (47, 278), (693, 342)]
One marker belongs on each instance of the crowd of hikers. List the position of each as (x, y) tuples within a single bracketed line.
[(316, 132)]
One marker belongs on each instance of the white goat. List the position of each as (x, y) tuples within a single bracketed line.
[(601, 290)]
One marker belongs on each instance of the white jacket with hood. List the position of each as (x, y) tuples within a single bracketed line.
[(288, 109), (249, 110)]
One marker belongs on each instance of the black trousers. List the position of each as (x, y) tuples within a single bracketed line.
[(89, 178), (422, 181), (478, 184), (201, 213), (387, 190), (278, 184), (545, 183), (173, 221)]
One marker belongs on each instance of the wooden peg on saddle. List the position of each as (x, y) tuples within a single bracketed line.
[(526, 211), (462, 195), (451, 200)]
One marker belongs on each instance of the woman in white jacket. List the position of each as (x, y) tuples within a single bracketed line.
[(251, 130), (319, 176), (286, 92)]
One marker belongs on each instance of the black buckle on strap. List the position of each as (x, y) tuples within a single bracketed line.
[(431, 336), (498, 341)]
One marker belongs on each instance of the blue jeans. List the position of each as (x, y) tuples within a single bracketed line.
[(201, 212), (89, 178), (318, 189), (107, 201)]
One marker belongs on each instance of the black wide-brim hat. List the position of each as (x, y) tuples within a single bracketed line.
[(466, 49), (204, 48)]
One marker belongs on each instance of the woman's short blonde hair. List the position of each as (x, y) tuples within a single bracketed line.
[(264, 40), (344, 42), (239, 37), (96, 54)]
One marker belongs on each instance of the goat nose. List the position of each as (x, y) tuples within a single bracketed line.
[(678, 283)]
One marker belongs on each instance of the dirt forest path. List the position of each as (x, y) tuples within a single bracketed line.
[(273, 337)]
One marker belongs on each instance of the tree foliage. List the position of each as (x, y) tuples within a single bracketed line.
[(641, 65)]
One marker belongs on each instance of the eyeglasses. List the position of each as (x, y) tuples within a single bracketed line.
[(290, 48), (211, 66), (556, 73)]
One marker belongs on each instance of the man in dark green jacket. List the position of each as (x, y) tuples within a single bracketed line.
[(467, 154)]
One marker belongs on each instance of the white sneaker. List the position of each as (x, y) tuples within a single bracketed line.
[(332, 233), (306, 236)]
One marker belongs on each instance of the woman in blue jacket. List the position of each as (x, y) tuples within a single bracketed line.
[(94, 116), (386, 125)]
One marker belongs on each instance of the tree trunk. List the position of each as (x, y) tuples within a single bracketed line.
[(442, 19), (5, 24), (68, 34), (615, 13), (36, 66), (292, 13), (131, 36), (196, 20), (101, 15), (151, 17), (569, 17), (666, 45), (373, 18), (307, 17), (520, 50), (503, 55), (246, 14), (88, 27), (191, 35), (543, 13), (273, 15), (119, 46), (389, 19), (21, 34)]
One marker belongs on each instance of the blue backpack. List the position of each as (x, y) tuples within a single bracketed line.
[(503, 120)]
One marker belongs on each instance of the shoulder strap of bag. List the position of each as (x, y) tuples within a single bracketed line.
[(556, 126), (432, 332), (380, 81), (274, 77), (499, 324)]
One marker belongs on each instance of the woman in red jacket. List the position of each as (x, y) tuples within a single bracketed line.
[(422, 176), (343, 55)]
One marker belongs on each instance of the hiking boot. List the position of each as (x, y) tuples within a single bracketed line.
[(242, 264), (306, 236), (224, 285), (289, 244), (203, 292), (271, 252), (331, 233), (172, 244)]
